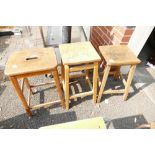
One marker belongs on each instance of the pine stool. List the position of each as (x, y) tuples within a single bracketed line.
[(117, 55), (77, 57), (33, 62)]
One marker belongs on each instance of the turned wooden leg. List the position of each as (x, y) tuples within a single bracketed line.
[(57, 82), (20, 95), (67, 86), (95, 79), (129, 80), (104, 80), (28, 84)]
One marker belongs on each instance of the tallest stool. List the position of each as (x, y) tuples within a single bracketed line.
[(117, 55), (76, 57)]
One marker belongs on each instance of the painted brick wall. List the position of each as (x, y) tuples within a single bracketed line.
[(110, 35)]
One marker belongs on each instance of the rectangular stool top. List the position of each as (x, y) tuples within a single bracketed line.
[(77, 53), (30, 61), (118, 55)]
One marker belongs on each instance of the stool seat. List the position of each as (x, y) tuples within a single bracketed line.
[(31, 60), (116, 55), (78, 53)]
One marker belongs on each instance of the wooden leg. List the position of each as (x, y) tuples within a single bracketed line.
[(28, 84), (67, 86), (62, 71), (129, 80), (20, 95), (104, 80), (95, 79), (57, 82)]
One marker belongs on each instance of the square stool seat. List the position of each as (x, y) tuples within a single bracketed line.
[(30, 61), (116, 55)]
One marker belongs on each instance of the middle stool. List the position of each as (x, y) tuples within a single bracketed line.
[(85, 56)]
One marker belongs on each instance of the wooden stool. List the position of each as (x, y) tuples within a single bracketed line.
[(28, 63), (85, 56), (119, 55)]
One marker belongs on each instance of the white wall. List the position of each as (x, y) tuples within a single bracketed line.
[(139, 37), (137, 41), (87, 31)]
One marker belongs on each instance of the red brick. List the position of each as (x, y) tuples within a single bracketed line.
[(126, 39), (96, 33), (109, 37), (109, 27), (129, 32), (107, 31), (99, 31)]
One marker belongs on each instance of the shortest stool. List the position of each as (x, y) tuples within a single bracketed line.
[(117, 55), (28, 63)]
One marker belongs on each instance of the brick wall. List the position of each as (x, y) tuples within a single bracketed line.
[(110, 35)]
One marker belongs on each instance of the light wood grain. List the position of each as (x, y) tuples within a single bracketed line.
[(42, 84), (45, 104), (76, 57), (129, 80), (22, 84), (110, 91), (104, 80), (116, 55), (95, 79), (45, 63), (77, 75), (66, 84), (28, 84), (20, 95), (82, 67), (58, 86), (29, 61), (78, 53), (81, 94)]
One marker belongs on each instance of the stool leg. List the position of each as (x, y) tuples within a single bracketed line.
[(95, 78), (104, 80), (28, 84), (67, 86), (62, 72), (57, 82), (129, 80), (20, 95)]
